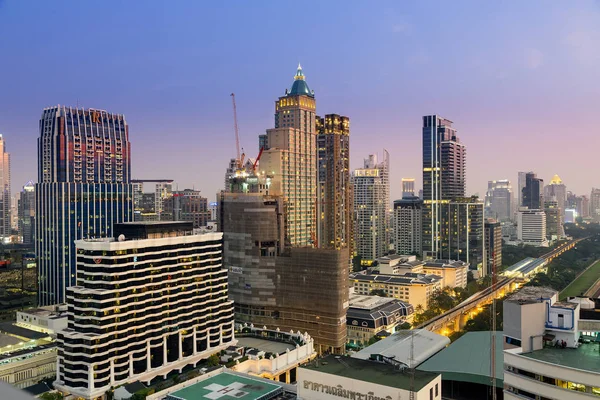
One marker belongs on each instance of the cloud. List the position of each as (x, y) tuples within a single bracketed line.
[(534, 58)]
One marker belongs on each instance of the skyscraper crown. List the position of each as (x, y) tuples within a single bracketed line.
[(300, 87)]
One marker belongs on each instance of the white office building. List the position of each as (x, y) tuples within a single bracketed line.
[(531, 227), (551, 346), (151, 300)]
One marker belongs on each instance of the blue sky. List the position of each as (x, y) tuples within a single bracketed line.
[(519, 79)]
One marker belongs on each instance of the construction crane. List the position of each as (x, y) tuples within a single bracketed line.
[(257, 160), (239, 157)]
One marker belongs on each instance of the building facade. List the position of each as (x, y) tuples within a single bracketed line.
[(499, 200), (27, 213), (493, 246), (290, 155), (595, 204), (371, 199), (408, 187), (408, 225), (334, 191), (582, 206), (188, 205), (533, 192), (463, 232), (521, 185), (151, 300), (83, 189), (554, 219), (556, 190), (444, 177), (5, 195), (531, 227)]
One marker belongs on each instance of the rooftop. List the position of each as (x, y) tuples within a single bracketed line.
[(397, 346), (368, 302), (531, 294), (300, 87), (465, 361), (236, 387), (585, 357), (370, 371), (406, 279), (268, 346), (446, 263)]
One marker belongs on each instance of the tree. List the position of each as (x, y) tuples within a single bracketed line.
[(356, 263), (404, 326), (378, 292), (51, 396), (213, 360)]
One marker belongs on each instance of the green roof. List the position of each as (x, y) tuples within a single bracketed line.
[(370, 371), (300, 87), (585, 357), (231, 387), (468, 359)]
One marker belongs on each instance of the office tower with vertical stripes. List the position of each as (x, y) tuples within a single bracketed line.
[(444, 177), (83, 189)]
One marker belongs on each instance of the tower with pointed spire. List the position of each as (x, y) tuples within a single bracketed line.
[(290, 157)]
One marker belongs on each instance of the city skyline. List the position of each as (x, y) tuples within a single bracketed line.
[(190, 97)]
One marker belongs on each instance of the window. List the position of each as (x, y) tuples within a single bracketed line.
[(430, 393), (436, 390)]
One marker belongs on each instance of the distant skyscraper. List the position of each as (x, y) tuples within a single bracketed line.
[(557, 190), (444, 169), (462, 233), (408, 225), (163, 292), (334, 191), (521, 183), (531, 227), (582, 206), (371, 198), (498, 200), (290, 156), (188, 205), (162, 192), (408, 187), (5, 199), (533, 192), (83, 189), (493, 246), (27, 213), (554, 219), (595, 204)]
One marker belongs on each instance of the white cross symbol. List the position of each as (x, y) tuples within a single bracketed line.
[(218, 391)]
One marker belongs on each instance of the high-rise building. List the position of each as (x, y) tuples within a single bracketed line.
[(83, 189), (27, 213), (595, 204), (151, 300), (498, 200), (162, 192), (149, 206), (277, 276), (408, 225), (582, 206), (14, 212), (5, 198), (334, 191), (290, 155), (533, 192), (444, 177), (554, 219), (531, 227), (408, 187), (463, 236), (493, 245), (521, 182), (371, 199), (558, 191)]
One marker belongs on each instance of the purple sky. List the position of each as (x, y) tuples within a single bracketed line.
[(520, 80)]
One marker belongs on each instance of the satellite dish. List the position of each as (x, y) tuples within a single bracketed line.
[(121, 238)]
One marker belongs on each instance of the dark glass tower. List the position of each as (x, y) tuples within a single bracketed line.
[(532, 192), (444, 168), (84, 188)]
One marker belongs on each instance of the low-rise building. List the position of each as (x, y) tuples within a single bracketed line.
[(28, 366), (412, 288), (453, 272), (531, 227), (371, 315), (50, 319), (551, 346), (335, 377)]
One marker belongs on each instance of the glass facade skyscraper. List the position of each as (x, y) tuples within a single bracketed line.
[(84, 187)]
